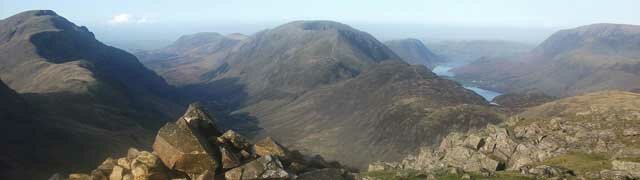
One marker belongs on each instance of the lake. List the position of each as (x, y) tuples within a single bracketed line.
[(443, 70)]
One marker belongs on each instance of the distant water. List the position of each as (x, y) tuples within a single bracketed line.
[(443, 70)]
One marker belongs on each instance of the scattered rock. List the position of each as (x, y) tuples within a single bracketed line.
[(631, 167), (266, 167), (236, 140), (268, 146), (466, 176), (78, 176), (229, 158), (551, 172)]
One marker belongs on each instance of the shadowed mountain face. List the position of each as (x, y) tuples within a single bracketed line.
[(185, 61), (89, 100), (585, 59), (327, 88), (414, 52)]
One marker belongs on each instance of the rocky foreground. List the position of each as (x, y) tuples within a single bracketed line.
[(593, 136), (193, 148)]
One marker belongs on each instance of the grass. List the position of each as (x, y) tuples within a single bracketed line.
[(441, 175), (580, 162)]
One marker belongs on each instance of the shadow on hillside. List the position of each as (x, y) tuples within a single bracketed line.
[(223, 97)]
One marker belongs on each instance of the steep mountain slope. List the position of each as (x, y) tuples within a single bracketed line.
[(188, 58), (89, 99), (592, 136), (327, 88), (414, 52), (574, 61)]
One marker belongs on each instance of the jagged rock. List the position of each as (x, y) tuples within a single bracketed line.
[(268, 146), (207, 175), (266, 167), (229, 158), (322, 174), (550, 171), (107, 165), (632, 167), (127, 177), (199, 119), (132, 153), (236, 140), (124, 162), (117, 173), (78, 176), (145, 158), (140, 172), (181, 147), (98, 175)]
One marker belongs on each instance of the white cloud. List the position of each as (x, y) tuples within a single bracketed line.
[(125, 18)]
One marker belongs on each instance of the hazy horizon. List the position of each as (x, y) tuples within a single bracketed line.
[(160, 22)]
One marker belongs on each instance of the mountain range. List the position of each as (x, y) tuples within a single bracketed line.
[(573, 61), (87, 99), (414, 52), (327, 88)]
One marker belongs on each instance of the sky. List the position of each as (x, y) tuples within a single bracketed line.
[(119, 20)]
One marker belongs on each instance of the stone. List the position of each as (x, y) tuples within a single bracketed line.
[(78, 176), (198, 118), (466, 176), (474, 142), (127, 177), (266, 167), (132, 153), (207, 175), (631, 132), (268, 146), (229, 158), (145, 158), (117, 173), (632, 167), (98, 175), (107, 165), (551, 171), (322, 174), (234, 139), (182, 148), (125, 163), (431, 177), (140, 172)]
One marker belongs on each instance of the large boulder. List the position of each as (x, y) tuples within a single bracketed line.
[(234, 139), (266, 167), (268, 146), (183, 147)]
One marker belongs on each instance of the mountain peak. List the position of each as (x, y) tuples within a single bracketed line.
[(317, 25)]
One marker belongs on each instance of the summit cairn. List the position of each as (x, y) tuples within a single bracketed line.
[(194, 148)]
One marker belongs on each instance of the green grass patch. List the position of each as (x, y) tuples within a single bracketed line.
[(442, 175), (580, 162)]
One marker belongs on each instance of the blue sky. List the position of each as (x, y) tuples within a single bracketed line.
[(148, 17)]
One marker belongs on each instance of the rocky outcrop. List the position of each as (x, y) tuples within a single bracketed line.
[(193, 148), (579, 136)]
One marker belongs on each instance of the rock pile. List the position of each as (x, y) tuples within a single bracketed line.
[(596, 137), (193, 148)]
